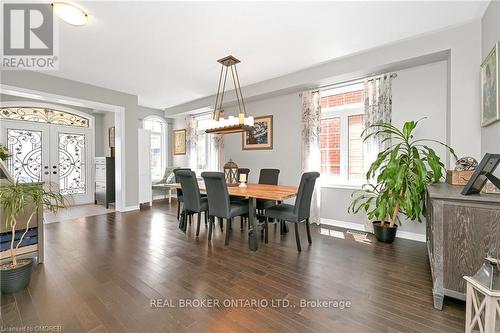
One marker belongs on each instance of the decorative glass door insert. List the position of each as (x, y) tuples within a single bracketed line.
[(26, 148), (72, 166), (50, 153)]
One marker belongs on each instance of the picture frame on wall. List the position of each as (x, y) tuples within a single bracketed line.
[(490, 94), (179, 142), (260, 136)]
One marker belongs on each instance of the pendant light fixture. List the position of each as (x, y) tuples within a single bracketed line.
[(231, 124)]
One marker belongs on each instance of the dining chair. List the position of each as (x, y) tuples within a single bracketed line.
[(219, 204), (180, 198), (295, 213), (268, 177), (194, 203)]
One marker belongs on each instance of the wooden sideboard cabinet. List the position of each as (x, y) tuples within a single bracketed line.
[(461, 232), (104, 180)]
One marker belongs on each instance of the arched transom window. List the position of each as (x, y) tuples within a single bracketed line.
[(158, 128), (44, 115)]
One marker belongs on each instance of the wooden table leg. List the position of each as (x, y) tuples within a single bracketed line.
[(252, 220), (169, 196)]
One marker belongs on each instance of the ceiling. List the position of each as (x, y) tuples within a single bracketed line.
[(166, 52)]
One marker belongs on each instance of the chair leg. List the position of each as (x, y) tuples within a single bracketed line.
[(297, 237), (206, 217), (266, 231), (210, 223), (308, 232), (190, 218), (221, 222), (228, 230), (198, 226), (242, 223), (178, 209)]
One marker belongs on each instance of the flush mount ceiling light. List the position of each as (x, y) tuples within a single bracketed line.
[(231, 124), (70, 13)]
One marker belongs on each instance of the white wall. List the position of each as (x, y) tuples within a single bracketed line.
[(490, 34)]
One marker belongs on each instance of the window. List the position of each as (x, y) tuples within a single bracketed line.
[(158, 128), (341, 145), (44, 115), (205, 153)]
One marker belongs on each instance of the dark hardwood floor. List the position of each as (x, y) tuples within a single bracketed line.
[(101, 273)]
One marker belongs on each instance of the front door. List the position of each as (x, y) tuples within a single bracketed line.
[(60, 156)]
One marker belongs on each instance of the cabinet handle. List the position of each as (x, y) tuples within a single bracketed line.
[(54, 172)]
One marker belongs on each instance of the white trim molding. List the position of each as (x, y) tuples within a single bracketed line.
[(361, 227), (130, 208)]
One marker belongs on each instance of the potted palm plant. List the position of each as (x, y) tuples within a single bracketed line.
[(26, 199), (401, 173)]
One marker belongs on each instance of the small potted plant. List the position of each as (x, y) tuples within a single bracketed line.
[(401, 173), (17, 198)]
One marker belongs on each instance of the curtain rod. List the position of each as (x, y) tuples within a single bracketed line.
[(354, 81)]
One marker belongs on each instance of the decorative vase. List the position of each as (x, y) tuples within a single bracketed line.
[(383, 232)]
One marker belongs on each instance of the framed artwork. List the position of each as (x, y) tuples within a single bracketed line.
[(179, 142), (111, 135), (490, 95), (261, 136)]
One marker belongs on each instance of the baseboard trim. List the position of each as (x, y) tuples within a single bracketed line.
[(361, 227), (129, 208)]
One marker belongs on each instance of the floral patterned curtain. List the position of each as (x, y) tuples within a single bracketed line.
[(378, 108), (191, 142), (217, 145), (311, 157)]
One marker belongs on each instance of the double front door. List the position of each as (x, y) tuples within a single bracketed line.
[(60, 156)]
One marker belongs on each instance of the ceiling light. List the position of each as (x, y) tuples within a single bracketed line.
[(231, 124), (70, 13)]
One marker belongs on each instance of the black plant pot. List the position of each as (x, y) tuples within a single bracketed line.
[(16, 279), (383, 232)]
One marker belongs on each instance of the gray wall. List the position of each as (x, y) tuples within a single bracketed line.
[(56, 85), (460, 45), (286, 139), (417, 92), (490, 34)]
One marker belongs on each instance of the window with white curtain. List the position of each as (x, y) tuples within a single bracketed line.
[(205, 154), (158, 128)]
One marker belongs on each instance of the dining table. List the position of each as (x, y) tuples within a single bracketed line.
[(253, 192)]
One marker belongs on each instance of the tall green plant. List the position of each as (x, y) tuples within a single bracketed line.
[(15, 198), (402, 173)]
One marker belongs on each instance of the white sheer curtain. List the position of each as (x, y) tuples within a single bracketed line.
[(311, 157)]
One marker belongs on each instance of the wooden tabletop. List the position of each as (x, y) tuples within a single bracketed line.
[(258, 191)]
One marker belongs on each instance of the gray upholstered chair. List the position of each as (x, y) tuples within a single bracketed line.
[(219, 204), (269, 177), (180, 197), (295, 213), (194, 203)]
